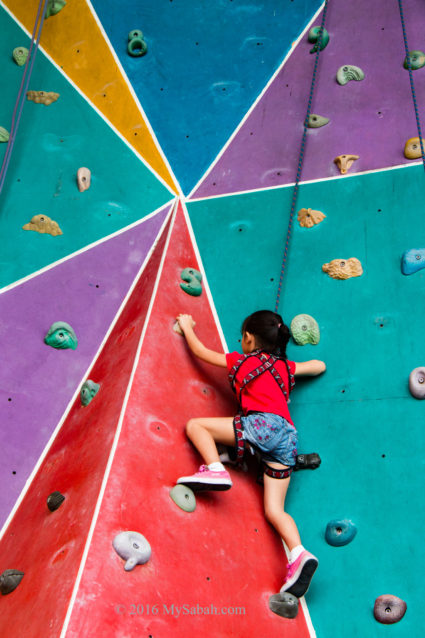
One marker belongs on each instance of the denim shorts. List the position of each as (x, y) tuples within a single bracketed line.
[(272, 435)]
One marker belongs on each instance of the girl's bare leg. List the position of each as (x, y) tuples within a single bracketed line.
[(274, 502), (206, 432)]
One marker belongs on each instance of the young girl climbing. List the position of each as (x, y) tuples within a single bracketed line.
[(262, 379)]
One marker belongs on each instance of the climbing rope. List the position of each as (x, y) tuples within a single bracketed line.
[(301, 156), (19, 104), (412, 85)]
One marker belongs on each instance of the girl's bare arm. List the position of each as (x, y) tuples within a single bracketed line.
[(310, 368), (196, 345)]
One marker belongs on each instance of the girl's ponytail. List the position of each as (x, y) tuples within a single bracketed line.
[(283, 336), (271, 334)]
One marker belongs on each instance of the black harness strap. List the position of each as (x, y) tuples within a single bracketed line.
[(277, 473), (240, 443), (267, 364)]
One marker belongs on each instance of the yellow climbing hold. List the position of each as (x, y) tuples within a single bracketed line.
[(309, 217), (42, 97), (343, 268), (43, 224), (412, 149)]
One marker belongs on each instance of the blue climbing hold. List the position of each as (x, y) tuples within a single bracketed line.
[(340, 532), (412, 261)]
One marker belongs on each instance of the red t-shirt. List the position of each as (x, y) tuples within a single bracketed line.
[(262, 394)]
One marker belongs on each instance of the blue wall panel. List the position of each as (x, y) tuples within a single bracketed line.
[(206, 64)]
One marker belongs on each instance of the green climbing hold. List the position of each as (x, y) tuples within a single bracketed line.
[(316, 121), (305, 329), (313, 36), (54, 6), (88, 391), (417, 60), (349, 72), (193, 278), (183, 497), (4, 135), (136, 45), (20, 55), (61, 336)]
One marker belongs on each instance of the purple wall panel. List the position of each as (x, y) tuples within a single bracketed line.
[(372, 118), (38, 381)]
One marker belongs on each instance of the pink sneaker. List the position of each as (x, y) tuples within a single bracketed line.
[(206, 479), (299, 574)]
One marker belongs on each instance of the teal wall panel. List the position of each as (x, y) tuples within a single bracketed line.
[(359, 415), (52, 143)]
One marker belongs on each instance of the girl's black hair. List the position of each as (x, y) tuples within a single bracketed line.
[(271, 334)]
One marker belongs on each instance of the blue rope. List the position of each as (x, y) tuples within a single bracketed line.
[(412, 86), (301, 158), (19, 104)]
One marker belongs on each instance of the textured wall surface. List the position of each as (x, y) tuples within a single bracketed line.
[(214, 112)]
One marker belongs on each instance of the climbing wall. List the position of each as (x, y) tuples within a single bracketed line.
[(193, 150)]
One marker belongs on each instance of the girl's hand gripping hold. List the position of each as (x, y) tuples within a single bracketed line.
[(186, 324)]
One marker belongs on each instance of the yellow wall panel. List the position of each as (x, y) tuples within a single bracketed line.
[(76, 43)]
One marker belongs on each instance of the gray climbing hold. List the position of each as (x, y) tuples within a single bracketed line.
[(389, 609), (89, 389), (61, 336), (132, 547), (55, 500), (284, 604), (183, 497), (316, 121), (349, 72), (340, 532), (417, 383), (305, 329), (9, 580)]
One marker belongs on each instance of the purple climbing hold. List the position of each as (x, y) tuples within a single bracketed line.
[(389, 609)]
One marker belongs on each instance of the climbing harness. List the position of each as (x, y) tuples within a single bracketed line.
[(19, 104), (301, 155), (267, 365), (412, 85)]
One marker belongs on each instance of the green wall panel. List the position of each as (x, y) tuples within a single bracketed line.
[(52, 143), (359, 415)]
